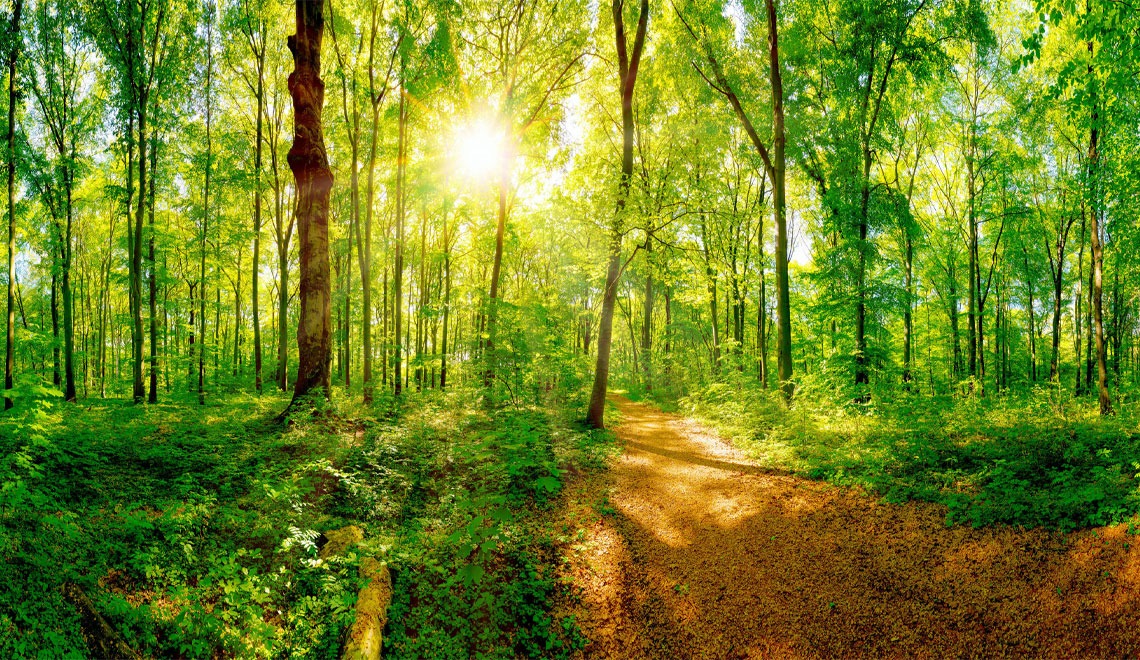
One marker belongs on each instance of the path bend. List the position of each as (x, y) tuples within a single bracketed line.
[(709, 555)]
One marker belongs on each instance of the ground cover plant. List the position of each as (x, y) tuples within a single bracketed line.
[(195, 530), (1038, 459), (279, 269)]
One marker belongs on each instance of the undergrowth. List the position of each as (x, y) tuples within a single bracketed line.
[(195, 530), (1042, 459)]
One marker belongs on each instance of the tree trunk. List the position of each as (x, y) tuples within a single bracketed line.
[(139, 389), (206, 214), (152, 280), (446, 304), (1032, 322), (256, 267), (908, 315), (1077, 296), (309, 164), (628, 64), (68, 301), (647, 318), (398, 274), (10, 333), (1097, 270)]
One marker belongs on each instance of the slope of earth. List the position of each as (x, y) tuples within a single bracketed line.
[(700, 553)]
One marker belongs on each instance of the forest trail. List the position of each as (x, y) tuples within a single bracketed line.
[(708, 555)]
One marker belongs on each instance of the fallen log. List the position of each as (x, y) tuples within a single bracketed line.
[(102, 640)]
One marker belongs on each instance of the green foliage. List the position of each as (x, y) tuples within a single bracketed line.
[(462, 493), (195, 530), (1018, 460)]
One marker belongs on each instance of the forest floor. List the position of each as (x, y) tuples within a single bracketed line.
[(699, 552)]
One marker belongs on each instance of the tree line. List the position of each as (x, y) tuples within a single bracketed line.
[(839, 184)]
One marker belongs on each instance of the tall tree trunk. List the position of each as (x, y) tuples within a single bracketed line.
[(283, 315), (973, 314), (13, 97), (628, 63), (152, 279), (139, 389), (908, 315), (237, 320), (955, 333), (446, 304), (255, 307), (1077, 296), (56, 379), (376, 97), (861, 375), (1032, 321), (310, 166), (206, 212), (1097, 267), (492, 313), (398, 274), (1058, 282), (68, 299), (647, 318), (779, 211)]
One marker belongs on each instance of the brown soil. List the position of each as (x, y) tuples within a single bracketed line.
[(705, 554)]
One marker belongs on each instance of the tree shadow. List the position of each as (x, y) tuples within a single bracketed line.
[(733, 560)]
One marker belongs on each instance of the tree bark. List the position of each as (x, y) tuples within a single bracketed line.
[(10, 336), (398, 274), (628, 63), (206, 214), (1097, 269), (152, 279), (309, 164)]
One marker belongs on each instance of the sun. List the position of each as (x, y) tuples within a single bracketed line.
[(479, 150)]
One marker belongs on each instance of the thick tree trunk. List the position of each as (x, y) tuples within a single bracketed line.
[(309, 164)]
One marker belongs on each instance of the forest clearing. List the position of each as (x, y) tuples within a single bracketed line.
[(569, 329)]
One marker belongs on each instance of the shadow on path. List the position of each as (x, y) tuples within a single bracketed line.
[(712, 556)]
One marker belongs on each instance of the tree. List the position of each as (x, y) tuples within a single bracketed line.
[(137, 39), (310, 166), (629, 60), (14, 41), (775, 165)]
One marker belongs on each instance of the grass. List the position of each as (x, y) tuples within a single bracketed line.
[(1035, 460), (195, 529)]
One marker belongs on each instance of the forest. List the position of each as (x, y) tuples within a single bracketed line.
[(570, 329)]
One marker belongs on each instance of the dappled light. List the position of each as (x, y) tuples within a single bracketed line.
[(568, 329), (736, 563)]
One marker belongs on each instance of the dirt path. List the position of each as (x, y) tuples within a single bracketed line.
[(707, 555)]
